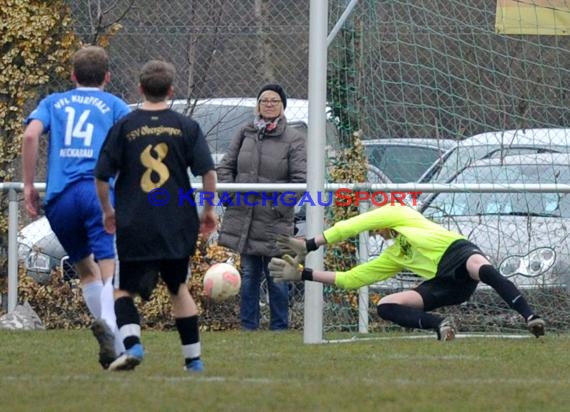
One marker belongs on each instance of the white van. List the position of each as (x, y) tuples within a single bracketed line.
[(222, 117)]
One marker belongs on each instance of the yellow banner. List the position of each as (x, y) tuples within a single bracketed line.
[(546, 17)]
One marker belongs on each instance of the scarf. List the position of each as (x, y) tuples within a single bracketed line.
[(265, 125)]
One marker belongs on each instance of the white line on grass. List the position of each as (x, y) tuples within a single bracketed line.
[(432, 357), (120, 377), (458, 336), (269, 381)]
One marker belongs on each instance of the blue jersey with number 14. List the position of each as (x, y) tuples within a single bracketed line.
[(77, 122)]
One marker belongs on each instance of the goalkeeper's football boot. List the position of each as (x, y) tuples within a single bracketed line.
[(195, 366), (446, 330), (106, 341), (129, 359), (535, 325)]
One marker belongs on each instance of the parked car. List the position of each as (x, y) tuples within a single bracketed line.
[(40, 251), (495, 145), (405, 160), (524, 234)]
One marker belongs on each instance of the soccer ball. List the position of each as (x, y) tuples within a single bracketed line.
[(221, 281)]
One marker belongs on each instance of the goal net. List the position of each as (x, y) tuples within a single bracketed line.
[(491, 77)]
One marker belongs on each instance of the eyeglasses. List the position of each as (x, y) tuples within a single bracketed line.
[(267, 102)]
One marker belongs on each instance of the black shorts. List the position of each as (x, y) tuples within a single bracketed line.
[(452, 284), (141, 277)]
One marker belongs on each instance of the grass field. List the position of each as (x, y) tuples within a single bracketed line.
[(264, 371)]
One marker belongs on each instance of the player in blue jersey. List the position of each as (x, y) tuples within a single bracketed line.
[(77, 122)]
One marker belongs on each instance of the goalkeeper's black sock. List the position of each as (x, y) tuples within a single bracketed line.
[(506, 290), (408, 317)]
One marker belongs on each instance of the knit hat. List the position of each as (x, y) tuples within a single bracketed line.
[(277, 89)]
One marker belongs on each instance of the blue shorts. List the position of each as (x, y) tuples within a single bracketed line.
[(77, 220)]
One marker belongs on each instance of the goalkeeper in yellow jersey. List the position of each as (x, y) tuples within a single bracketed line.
[(451, 265)]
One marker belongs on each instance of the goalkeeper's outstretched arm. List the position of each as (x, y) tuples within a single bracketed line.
[(291, 266), (322, 276), (298, 248), (289, 269)]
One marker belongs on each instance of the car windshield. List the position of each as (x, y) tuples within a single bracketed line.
[(523, 203), (463, 155), (402, 163)]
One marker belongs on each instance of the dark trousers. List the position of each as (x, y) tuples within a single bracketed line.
[(254, 269)]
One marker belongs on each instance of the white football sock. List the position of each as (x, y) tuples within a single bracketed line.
[(191, 351), (92, 295), (108, 314)]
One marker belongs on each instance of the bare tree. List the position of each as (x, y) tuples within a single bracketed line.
[(264, 44), (101, 26)]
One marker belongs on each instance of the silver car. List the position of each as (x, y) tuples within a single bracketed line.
[(404, 160), (524, 234), (495, 145)]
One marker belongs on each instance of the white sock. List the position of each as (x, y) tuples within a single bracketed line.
[(92, 295), (192, 350), (108, 314), (130, 330)]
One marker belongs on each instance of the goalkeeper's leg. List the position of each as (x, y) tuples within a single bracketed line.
[(479, 268), (406, 309), (408, 317)]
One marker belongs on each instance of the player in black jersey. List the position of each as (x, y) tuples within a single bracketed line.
[(156, 222)]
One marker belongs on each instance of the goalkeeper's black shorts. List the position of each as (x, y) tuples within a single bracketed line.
[(452, 284)]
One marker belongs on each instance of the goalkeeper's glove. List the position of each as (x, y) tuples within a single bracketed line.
[(296, 247), (288, 269)]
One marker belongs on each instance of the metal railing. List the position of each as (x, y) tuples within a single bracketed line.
[(13, 207)]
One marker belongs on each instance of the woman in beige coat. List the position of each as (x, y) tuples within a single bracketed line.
[(264, 151)]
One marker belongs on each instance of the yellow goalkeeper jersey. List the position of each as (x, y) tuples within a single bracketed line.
[(419, 246)]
